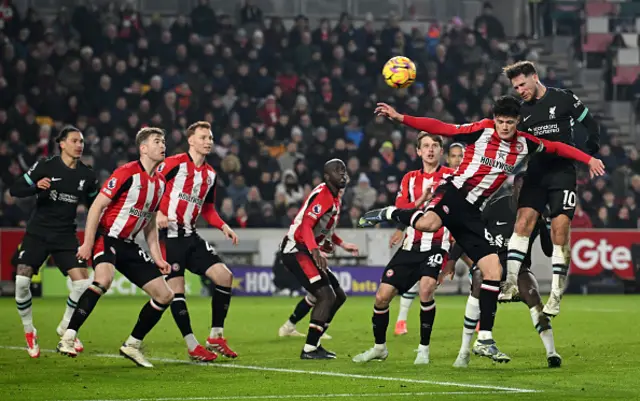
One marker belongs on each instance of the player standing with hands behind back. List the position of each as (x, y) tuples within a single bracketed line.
[(546, 113)]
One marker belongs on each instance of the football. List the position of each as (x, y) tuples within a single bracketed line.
[(399, 72)]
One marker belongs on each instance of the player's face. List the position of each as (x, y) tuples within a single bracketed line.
[(506, 126), (454, 158), (202, 141), (525, 86), (338, 176), (73, 145), (154, 147), (430, 151)]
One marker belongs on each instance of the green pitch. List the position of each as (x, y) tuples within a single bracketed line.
[(596, 335)]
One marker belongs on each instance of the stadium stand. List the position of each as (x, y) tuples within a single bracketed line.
[(282, 100)]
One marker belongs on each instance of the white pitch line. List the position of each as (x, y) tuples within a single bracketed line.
[(315, 372), (296, 396)]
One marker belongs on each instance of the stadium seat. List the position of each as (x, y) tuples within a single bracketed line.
[(597, 42), (626, 75), (628, 57), (598, 25), (600, 8)]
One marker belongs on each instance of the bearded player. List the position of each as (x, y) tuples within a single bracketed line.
[(419, 259), (313, 228), (190, 193)]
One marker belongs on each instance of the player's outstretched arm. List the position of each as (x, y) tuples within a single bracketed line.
[(431, 125), (596, 167), (91, 227)]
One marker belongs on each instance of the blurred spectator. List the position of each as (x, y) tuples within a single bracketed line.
[(364, 195), (580, 218)]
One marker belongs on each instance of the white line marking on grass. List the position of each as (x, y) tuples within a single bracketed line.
[(314, 372), (315, 396)]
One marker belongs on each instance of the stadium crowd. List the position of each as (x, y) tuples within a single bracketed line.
[(281, 102)]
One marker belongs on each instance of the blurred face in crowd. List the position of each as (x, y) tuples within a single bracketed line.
[(73, 145), (526, 86), (430, 151), (201, 141)]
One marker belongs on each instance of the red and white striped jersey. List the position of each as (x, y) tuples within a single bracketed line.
[(135, 196), (413, 185), (190, 190), (315, 222), (488, 160)]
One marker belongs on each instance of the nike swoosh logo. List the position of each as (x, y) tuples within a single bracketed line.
[(526, 118), (567, 207), (56, 179), (501, 223)]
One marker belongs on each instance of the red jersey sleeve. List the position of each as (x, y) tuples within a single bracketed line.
[(169, 167), (118, 182), (209, 211), (437, 127), (536, 144), (403, 200), (318, 206)]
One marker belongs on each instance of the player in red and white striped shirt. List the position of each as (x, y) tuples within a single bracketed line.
[(417, 263), (125, 206), (313, 228), (496, 149), (416, 188), (190, 193)]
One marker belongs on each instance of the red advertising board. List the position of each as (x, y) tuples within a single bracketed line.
[(10, 239), (594, 251)]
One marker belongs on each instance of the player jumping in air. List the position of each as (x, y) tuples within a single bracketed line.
[(419, 259), (495, 149), (499, 216), (548, 113), (125, 206), (313, 228), (60, 183), (190, 192), (454, 158)]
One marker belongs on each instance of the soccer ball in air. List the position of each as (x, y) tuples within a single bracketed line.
[(399, 72)]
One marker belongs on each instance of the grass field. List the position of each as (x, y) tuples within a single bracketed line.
[(596, 335)]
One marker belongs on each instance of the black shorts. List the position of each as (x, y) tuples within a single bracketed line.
[(310, 276), (128, 258), (192, 253), (35, 250), (407, 268), (556, 188), (463, 219)]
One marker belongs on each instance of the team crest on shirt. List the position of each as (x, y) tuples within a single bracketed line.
[(445, 208), (552, 113), (175, 267), (519, 147), (112, 183), (316, 209), (209, 181), (80, 185), (389, 273)]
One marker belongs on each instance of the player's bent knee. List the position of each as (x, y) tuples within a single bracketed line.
[(526, 221), (103, 274), (220, 274), (24, 270), (490, 267), (176, 284), (429, 222), (78, 273)]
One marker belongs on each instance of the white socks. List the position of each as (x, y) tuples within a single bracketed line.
[(405, 302), (23, 302), (471, 317), (518, 246), (560, 263), (216, 332), (77, 289), (547, 335), (191, 341)]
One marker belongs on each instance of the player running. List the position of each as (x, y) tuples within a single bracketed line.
[(191, 183), (419, 259), (548, 113), (60, 183), (499, 216), (454, 158), (125, 206), (313, 228), (496, 148)]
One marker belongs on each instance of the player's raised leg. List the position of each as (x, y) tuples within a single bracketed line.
[(526, 220), (288, 329), (24, 305), (560, 259), (80, 281), (103, 277), (471, 318), (380, 322), (406, 300), (531, 296), (220, 274), (181, 316)]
